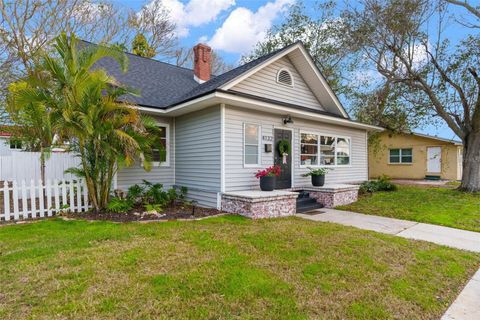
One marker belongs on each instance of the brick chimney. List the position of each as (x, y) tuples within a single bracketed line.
[(202, 62)]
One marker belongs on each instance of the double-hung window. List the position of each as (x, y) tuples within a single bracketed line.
[(309, 149), (324, 150), (401, 155), (160, 156), (251, 140)]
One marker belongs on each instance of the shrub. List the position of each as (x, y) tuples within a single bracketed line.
[(135, 193), (381, 184), (118, 205)]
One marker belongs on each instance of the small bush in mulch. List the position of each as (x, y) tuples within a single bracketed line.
[(381, 184), (148, 201), (139, 214)]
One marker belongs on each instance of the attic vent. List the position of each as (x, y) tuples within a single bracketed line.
[(285, 77)]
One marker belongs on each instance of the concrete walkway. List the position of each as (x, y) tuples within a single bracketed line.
[(451, 237), (467, 305)]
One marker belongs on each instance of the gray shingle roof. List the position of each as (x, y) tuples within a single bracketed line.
[(162, 85)]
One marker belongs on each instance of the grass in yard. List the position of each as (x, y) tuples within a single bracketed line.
[(442, 206), (223, 268)]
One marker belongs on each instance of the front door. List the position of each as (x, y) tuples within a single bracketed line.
[(284, 181), (434, 160)]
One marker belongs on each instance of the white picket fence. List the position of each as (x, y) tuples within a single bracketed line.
[(26, 165), (29, 201)]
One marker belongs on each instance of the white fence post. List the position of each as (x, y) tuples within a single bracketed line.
[(79, 195), (15, 200), (33, 199), (6, 200), (57, 195), (48, 191), (64, 194), (72, 199), (24, 201), (41, 198)]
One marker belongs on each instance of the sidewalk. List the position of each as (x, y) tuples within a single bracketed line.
[(467, 305), (451, 237)]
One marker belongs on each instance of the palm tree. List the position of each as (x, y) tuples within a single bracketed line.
[(84, 109), (28, 107)]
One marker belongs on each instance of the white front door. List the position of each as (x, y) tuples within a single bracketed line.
[(434, 159)]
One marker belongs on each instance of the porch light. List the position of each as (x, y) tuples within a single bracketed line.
[(287, 119)]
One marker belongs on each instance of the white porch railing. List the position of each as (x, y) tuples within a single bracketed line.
[(20, 201)]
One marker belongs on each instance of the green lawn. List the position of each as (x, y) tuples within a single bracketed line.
[(223, 268), (442, 206)]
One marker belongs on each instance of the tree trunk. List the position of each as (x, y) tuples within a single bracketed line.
[(42, 166), (471, 163)]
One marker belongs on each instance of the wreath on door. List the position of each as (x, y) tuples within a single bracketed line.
[(284, 148)]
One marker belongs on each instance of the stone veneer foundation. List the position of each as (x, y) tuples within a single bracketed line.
[(333, 195), (260, 204)]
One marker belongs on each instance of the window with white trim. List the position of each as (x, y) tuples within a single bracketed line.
[(324, 150), (160, 156), (251, 140), (309, 149), (401, 155)]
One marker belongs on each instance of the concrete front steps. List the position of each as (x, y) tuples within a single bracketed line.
[(305, 203)]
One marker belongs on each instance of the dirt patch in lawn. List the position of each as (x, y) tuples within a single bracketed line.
[(139, 214)]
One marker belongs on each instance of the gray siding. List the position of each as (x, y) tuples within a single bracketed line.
[(159, 174), (239, 178), (198, 154), (264, 84)]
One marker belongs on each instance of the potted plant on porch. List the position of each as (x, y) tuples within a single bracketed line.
[(267, 177), (318, 176)]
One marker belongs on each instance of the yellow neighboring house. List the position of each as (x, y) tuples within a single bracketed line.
[(415, 156)]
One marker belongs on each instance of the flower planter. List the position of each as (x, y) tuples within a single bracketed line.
[(267, 183), (318, 181)]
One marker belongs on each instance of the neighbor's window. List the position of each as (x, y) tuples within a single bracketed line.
[(327, 151), (251, 144), (401, 155), (309, 149), (161, 156), (321, 150), (15, 145)]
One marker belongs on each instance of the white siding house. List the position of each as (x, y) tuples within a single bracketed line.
[(223, 129)]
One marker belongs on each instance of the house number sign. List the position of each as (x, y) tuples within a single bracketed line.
[(267, 138)]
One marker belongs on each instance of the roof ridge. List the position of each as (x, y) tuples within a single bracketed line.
[(138, 56)]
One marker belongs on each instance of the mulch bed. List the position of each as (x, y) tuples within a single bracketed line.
[(137, 214)]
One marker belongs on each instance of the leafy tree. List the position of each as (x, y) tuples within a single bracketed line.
[(29, 110), (84, 108), (323, 35), (404, 40), (141, 47)]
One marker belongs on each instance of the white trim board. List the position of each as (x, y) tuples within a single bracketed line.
[(251, 103)]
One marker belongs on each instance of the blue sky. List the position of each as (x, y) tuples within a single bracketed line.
[(232, 27)]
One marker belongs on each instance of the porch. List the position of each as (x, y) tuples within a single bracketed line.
[(257, 204)]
